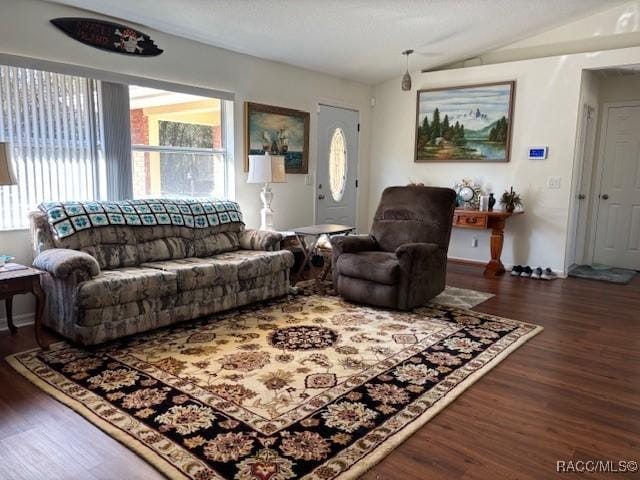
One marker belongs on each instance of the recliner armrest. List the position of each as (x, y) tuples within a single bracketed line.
[(423, 271), (260, 240), (64, 262), (416, 257), (353, 244), (415, 251)]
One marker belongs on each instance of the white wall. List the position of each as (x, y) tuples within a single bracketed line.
[(25, 31), (619, 89), (616, 25), (546, 108), (614, 19)]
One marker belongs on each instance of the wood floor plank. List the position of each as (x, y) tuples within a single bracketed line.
[(572, 392)]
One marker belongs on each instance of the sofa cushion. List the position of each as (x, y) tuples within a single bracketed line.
[(255, 263), (194, 273), (216, 243), (124, 285), (380, 267)]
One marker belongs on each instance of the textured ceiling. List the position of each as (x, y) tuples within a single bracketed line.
[(356, 39)]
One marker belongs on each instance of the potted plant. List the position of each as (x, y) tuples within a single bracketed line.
[(510, 200)]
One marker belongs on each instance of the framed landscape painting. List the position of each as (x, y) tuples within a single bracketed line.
[(465, 124), (277, 131)]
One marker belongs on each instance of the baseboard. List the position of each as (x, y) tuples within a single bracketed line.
[(18, 320), (466, 261)]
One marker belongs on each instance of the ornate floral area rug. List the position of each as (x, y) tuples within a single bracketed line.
[(452, 296), (313, 387)]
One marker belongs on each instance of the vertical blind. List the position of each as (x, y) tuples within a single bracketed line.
[(53, 125)]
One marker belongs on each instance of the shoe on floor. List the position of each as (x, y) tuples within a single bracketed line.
[(548, 274), (526, 271), (537, 273), (516, 271)]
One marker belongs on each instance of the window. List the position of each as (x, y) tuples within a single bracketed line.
[(51, 123), (177, 144), (337, 164), (71, 136)]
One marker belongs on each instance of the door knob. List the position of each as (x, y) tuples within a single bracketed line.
[(604, 196), (321, 196), (581, 196)]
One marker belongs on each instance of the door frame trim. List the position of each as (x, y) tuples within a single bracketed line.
[(590, 254), (321, 102), (578, 184)]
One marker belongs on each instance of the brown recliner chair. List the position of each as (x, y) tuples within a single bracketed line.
[(403, 262)]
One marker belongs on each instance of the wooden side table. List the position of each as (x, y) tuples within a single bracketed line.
[(16, 280), (494, 221)]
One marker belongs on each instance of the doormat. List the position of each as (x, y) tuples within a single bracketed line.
[(621, 276)]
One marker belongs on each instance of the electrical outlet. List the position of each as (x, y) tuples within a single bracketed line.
[(554, 182), (474, 241)]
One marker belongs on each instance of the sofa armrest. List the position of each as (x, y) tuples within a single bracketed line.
[(63, 263), (260, 240), (352, 244)]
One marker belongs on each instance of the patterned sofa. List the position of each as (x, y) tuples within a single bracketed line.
[(116, 280)]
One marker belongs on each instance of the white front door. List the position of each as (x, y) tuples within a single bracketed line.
[(618, 222), (337, 166)]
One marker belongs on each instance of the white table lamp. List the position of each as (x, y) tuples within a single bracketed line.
[(266, 169), (7, 175)]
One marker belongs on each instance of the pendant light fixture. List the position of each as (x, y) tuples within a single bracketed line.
[(406, 78)]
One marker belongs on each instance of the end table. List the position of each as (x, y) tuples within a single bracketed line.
[(16, 280), (317, 231)]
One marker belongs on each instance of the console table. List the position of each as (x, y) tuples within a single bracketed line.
[(494, 221)]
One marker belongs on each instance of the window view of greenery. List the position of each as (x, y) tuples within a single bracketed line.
[(177, 144), (177, 134), (189, 173)]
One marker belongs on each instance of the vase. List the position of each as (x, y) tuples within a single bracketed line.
[(509, 208), (492, 202)]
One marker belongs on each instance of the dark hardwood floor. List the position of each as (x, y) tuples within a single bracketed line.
[(571, 393)]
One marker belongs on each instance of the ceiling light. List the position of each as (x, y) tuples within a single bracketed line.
[(406, 78)]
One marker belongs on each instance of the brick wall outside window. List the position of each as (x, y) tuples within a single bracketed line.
[(140, 136)]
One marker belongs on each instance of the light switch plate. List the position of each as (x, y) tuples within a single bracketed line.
[(308, 179), (554, 182)]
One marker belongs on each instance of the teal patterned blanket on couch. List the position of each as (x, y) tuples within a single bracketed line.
[(68, 218)]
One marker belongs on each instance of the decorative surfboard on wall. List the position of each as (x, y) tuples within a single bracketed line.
[(108, 36)]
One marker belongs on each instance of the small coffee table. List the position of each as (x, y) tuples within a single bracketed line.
[(316, 231), (16, 280)]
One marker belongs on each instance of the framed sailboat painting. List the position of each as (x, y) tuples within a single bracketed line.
[(277, 131)]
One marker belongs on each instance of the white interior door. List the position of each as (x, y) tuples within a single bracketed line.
[(337, 166), (582, 181), (618, 222)]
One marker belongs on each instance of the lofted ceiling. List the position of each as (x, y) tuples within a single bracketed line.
[(360, 40)]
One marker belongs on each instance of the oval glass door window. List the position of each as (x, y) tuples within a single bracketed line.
[(337, 164)]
